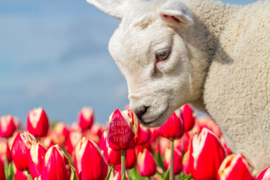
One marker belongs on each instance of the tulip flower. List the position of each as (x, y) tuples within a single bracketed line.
[(161, 145), (20, 149), (173, 127), (72, 141), (37, 122), (2, 172), (112, 157), (228, 150), (124, 130), (145, 134), (4, 151), (178, 144), (188, 117), (265, 174), (206, 155), (86, 118), (177, 163), (185, 163), (206, 122), (236, 166), (17, 123), (36, 159), (130, 160), (56, 165), (7, 126), (118, 176), (96, 130), (155, 132), (20, 175), (89, 161), (146, 164), (61, 129), (47, 142)]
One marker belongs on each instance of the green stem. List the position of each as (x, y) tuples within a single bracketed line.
[(123, 165), (113, 171), (171, 163)]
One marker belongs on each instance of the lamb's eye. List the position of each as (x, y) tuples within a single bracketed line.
[(163, 54)]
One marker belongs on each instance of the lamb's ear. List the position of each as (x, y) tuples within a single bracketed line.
[(175, 13), (115, 8)]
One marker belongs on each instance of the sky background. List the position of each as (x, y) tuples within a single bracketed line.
[(54, 54)]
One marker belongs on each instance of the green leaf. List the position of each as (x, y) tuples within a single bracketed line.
[(167, 174), (134, 175), (123, 177), (187, 177), (109, 173), (159, 176), (74, 173), (160, 161)]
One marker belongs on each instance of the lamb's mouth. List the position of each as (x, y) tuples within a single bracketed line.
[(153, 122)]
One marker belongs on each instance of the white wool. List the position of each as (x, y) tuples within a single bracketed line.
[(219, 62)]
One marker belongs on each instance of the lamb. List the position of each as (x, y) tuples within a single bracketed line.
[(214, 56)]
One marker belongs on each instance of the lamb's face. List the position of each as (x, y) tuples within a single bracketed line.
[(153, 58)]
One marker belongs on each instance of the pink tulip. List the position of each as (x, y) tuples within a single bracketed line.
[(4, 151), (236, 166), (20, 149), (56, 165), (173, 127), (86, 118), (144, 135), (265, 174), (185, 163), (89, 161), (130, 160), (177, 163), (124, 130), (206, 155), (188, 117), (2, 172), (7, 126), (37, 122), (146, 164), (36, 159)]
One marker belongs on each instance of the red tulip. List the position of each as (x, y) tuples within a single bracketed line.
[(228, 150), (124, 130), (36, 159), (265, 174), (89, 161), (7, 126), (47, 142), (96, 130), (173, 127), (130, 160), (16, 122), (56, 165), (4, 151), (236, 166), (86, 118), (20, 149), (185, 163), (206, 155), (179, 143), (146, 164), (188, 117), (206, 122), (72, 141), (2, 172), (112, 157), (177, 161), (61, 129), (155, 132), (37, 122), (20, 175), (161, 145), (144, 135)]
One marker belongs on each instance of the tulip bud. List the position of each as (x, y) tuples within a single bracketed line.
[(144, 135), (7, 126), (2, 172), (206, 155), (155, 132), (4, 151), (177, 160), (112, 157), (186, 167), (124, 130), (72, 141), (130, 160), (265, 174), (47, 142), (179, 143), (236, 166), (20, 149), (96, 130), (89, 161), (36, 159), (188, 117), (37, 122), (173, 127), (146, 164), (86, 118), (61, 129), (56, 165)]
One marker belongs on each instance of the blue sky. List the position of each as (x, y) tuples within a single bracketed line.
[(54, 54)]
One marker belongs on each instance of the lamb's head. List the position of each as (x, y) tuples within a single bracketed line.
[(150, 50)]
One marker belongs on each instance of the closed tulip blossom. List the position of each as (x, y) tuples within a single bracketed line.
[(112, 157), (2, 172), (264, 175), (4, 151), (72, 141), (86, 118), (236, 166), (188, 117), (56, 165), (89, 161), (47, 142), (206, 155), (20, 149), (124, 130), (7, 126), (36, 159), (146, 164), (61, 129), (37, 122), (145, 134), (177, 168)]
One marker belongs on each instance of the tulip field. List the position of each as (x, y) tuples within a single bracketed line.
[(186, 147)]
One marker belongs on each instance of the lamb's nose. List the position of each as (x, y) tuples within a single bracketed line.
[(141, 111)]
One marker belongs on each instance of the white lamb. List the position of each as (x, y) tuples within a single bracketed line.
[(214, 56)]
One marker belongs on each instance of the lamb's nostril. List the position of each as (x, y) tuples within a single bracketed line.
[(141, 111)]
